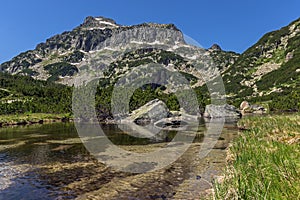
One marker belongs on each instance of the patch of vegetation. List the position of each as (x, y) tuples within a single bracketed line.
[(233, 83), (137, 63), (35, 96), (166, 57), (284, 75), (60, 69), (189, 77), (264, 160), (223, 58), (3, 93), (74, 57), (287, 100), (29, 72)]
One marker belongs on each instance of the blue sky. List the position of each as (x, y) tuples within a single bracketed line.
[(234, 24)]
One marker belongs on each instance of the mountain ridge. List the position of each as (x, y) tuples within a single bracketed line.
[(70, 46)]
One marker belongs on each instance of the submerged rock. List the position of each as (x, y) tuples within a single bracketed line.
[(221, 111)]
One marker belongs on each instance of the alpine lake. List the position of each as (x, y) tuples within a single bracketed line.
[(49, 161)]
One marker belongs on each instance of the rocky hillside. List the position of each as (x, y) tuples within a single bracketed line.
[(269, 69)]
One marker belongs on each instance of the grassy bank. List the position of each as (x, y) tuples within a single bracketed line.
[(264, 161), (32, 118)]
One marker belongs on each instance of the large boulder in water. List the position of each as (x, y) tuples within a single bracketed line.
[(221, 111), (150, 112)]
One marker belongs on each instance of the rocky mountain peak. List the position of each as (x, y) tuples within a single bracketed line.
[(215, 47), (98, 23)]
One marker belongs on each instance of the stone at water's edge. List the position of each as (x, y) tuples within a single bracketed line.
[(246, 107), (256, 109), (221, 111), (150, 112)]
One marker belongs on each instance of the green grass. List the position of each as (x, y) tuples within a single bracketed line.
[(263, 162), (30, 117)]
